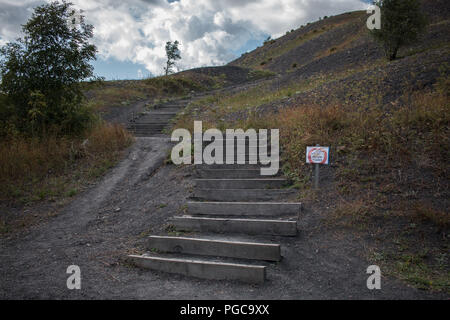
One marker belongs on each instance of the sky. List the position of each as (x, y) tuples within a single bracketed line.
[(131, 35)]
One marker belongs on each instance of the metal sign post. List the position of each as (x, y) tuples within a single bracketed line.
[(317, 155), (316, 176)]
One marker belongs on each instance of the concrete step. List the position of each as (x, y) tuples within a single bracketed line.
[(246, 145), (163, 112), (244, 208), (145, 125), (229, 173), (144, 135), (232, 195), (245, 226), (158, 114), (216, 248), (203, 269), (147, 129), (164, 117), (169, 109), (232, 158), (245, 166), (148, 124), (145, 132), (259, 183), (150, 121)]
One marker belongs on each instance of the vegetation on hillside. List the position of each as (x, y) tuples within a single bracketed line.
[(401, 24), (52, 142), (388, 126), (125, 92), (377, 154), (51, 167), (41, 73)]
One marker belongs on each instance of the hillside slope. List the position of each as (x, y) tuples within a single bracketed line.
[(387, 123), (338, 43)]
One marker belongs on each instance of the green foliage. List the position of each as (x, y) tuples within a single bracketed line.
[(41, 72), (401, 23), (173, 54)]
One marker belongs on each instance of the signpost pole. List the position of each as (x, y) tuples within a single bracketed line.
[(316, 174)]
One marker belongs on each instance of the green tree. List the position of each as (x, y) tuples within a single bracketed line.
[(41, 73), (401, 23), (173, 54)]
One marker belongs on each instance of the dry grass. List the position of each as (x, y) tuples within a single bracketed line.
[(116, 96), (126, 92), (51, 167), (401, 135), (424, 212)]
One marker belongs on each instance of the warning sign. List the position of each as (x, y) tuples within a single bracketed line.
[(318, 155)]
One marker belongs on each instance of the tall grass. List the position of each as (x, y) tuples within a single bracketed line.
[(34, 168), (399, 136)]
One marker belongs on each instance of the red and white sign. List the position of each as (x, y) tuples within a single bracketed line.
[(320, 155)]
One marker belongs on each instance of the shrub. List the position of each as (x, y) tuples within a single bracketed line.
[(41, 72), (401, 23), (29, 165)]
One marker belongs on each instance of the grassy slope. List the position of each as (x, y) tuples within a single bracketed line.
[(122, 93), (386, 122)]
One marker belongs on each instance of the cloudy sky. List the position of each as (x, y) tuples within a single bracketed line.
[(131, 34)]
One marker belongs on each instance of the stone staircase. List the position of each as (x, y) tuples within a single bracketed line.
[(233, 218), (153, 122)]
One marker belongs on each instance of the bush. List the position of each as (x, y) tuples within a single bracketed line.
[(53, 165), (401, 23), (41, 72)]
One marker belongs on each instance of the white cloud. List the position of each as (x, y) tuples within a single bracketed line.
[(209, 30)]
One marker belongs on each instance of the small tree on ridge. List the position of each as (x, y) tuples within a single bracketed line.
[(173, 54)]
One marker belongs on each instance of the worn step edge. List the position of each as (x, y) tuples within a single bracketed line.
[(244, 208), (245, 226), (242, 194), (217, 248), (231, 173), (258, 183), (203, 269), (231, 166)]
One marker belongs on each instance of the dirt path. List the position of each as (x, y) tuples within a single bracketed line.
[(112, 219)]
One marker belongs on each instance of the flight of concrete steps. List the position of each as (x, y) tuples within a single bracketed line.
[(234, 215), (154, 121)]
